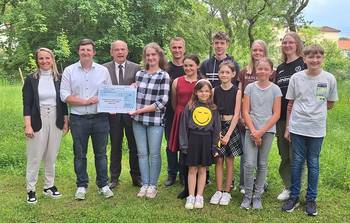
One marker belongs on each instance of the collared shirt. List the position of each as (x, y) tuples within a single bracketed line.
[(152, 89), (83, 84), (117, 70)]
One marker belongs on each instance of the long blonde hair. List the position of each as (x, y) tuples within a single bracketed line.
[(251, 65), (55, 73)]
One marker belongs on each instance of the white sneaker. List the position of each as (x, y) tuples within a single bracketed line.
[(106, 192), (284, 195), (151, 191), (242, 191), (143, 191), (225, 199), (80, 193), (199, 203), (215, 199), (190, 202)]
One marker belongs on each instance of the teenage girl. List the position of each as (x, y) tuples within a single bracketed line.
[(199, 134), (228, 99), (181, 91), (261, 110), (246, 76), (292, 48)]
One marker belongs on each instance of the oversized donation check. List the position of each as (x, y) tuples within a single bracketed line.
[(117, 99)]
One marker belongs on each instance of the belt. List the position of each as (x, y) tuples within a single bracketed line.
[(90, 116)]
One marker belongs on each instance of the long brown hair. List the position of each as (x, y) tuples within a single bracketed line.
[(54, 73), (194, 98), (195, 59), (162, 59), (298, 43)]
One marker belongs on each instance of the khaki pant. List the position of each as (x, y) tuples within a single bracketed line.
[(43, 146)]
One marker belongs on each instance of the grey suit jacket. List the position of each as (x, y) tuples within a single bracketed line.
[(131, 69)]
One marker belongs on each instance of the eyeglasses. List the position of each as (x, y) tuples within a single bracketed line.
[(288, 42)]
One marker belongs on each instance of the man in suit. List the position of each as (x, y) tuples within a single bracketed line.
[(122, 72)]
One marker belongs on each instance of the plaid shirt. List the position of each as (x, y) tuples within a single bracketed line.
[(152, 89)]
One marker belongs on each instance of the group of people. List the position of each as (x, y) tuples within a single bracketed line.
[(210, 112)]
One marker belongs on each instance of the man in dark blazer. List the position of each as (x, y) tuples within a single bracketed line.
[(122, 72)]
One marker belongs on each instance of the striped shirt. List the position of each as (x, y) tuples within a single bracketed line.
[(152, 89)]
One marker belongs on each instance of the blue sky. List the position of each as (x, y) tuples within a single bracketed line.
[(333, 13)]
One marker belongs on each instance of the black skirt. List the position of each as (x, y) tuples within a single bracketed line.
[(199, 149)]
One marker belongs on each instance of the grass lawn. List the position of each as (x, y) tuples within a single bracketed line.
[(333, 199)]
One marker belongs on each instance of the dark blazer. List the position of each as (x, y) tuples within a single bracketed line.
[(131, 69), (31, 106)]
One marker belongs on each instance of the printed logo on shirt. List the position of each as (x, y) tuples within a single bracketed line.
[(201, 116), (297, 69), (321, 91), (212, 76)]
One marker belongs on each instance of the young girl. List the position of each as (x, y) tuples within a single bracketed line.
[(246, 76), (181, 91), (152, 95), (292, 48), (228, 99), (261, 110), (199, 134)]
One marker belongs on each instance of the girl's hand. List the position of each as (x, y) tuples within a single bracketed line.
[(242, 121), (29, 132), (224, 140), (258, 141), (133, 85), (286, 134), (133, 113), (258, 134), (65, 128)]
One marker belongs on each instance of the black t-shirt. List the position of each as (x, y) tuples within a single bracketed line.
[(225, 100), (174, 72), (283, 74)]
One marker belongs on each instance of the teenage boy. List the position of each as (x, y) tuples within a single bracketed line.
[(310, 93), (210, 67)]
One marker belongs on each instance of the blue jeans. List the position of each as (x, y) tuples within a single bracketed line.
[(305, 148), (82, 127), (148, 141)]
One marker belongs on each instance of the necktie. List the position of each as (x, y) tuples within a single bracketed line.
[(120, 73)]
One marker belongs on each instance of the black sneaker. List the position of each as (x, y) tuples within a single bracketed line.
[(31, 198), (52, 192), (290, 205), (311, 208)]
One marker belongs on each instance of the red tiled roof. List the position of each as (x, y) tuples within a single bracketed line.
[(329, 29), (344, 44)]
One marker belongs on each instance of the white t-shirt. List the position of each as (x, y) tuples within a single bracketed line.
[(261, 103), (310, 95)]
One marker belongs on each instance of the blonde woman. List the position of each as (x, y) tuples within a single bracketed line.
[(45, 120)]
